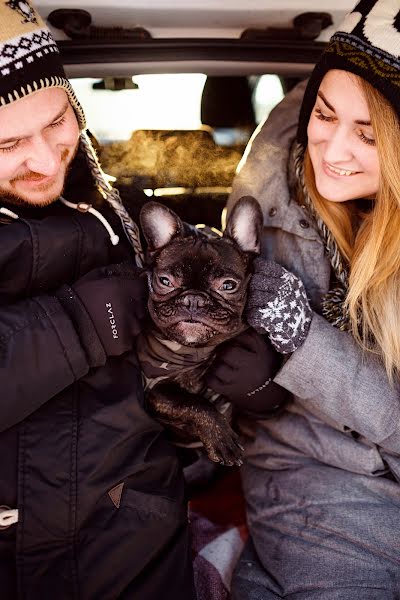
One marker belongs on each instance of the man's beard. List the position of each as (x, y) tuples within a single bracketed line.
[(19, 200)]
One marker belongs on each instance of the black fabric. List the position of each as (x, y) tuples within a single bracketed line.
[(49, 64), (95, 350), (71, 433), (243, 371), (108, 307), (22, 49)]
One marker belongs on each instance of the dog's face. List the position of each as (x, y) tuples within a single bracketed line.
[(198, 285)]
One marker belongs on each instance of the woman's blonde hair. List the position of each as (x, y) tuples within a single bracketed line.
[(370, 241)]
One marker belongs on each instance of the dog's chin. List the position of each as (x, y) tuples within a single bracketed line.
[(193, 333), (196, 334)]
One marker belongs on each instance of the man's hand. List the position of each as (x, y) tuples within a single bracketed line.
[(113, 300)]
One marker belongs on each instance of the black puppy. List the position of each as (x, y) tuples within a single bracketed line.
[(197, 294)]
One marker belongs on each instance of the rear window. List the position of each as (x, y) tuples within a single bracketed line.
[(163, 102)]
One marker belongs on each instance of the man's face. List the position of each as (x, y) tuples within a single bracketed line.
[(38, 140)]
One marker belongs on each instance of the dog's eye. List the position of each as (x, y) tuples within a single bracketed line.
[(165, 281), (229, 285)]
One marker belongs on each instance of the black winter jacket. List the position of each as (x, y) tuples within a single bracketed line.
[(99, 490)]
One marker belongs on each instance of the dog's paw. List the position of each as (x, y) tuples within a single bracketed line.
[(221, 442)]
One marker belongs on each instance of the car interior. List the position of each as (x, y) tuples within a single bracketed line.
[(188, 169), (171, 110)]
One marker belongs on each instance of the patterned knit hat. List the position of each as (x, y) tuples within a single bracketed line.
[(29, 57), (366, 44), (29, 62)]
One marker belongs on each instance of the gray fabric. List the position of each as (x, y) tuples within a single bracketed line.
[(331, 378), (289, 237), (331, 375), (345, 415), (333, 306), (278, 304), (322, 534)]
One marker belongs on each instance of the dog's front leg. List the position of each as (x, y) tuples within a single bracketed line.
[(195, 416)]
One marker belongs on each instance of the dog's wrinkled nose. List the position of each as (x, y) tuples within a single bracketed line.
[(194, 301)]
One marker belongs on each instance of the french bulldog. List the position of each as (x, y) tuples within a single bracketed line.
[(197, 295)]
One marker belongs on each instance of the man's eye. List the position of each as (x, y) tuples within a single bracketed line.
[(165, 281), (229, 285), (58, 123), (10, 147)]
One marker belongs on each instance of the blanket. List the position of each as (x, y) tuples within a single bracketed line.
[(219, 531)]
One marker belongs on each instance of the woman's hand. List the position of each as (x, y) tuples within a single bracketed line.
[(243, 372), (277, 303)]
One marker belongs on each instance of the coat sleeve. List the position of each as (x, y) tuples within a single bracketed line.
[(333, 375), (40, 355)]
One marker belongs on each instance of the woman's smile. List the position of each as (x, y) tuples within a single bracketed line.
[(337, 171)]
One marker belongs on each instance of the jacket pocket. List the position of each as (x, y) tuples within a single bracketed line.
[(152, 506)]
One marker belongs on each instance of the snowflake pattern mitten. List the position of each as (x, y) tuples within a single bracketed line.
[(278, 304)]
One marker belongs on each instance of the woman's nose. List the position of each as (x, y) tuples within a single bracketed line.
[(44, 158), (338, 146)]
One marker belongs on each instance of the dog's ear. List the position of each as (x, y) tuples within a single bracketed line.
[(159, 224), (245, 224)]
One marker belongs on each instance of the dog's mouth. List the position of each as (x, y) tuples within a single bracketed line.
[(198, 332), (195, 321), (171, 315)]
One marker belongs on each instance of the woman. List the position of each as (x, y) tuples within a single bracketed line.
[(321, 479)]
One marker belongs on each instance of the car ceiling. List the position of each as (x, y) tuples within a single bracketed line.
[(178, 31), (198, 18)]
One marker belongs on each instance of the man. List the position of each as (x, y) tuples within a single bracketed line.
[(91, 495)]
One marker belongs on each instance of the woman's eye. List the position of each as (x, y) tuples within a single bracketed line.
[(229, 285), (366, 139), (320, 115), (165, 281)]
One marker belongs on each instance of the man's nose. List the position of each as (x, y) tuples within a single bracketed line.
[(194, 301), (338, 146), (44, 157)]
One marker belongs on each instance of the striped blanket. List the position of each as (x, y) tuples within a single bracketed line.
[(218, 524)]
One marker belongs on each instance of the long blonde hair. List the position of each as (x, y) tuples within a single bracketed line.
[(370, 241)]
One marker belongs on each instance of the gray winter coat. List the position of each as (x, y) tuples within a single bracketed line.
[(345, 413)]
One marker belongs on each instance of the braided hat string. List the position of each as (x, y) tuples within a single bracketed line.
[(113, 198), (333, 308)]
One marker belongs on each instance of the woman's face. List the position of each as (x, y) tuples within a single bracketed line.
[(341, 140)]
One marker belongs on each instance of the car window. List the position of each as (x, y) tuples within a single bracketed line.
[(268, 92), (177, 137), (164, 102)]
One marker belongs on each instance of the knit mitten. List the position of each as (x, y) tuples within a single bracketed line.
[(278, 304)]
